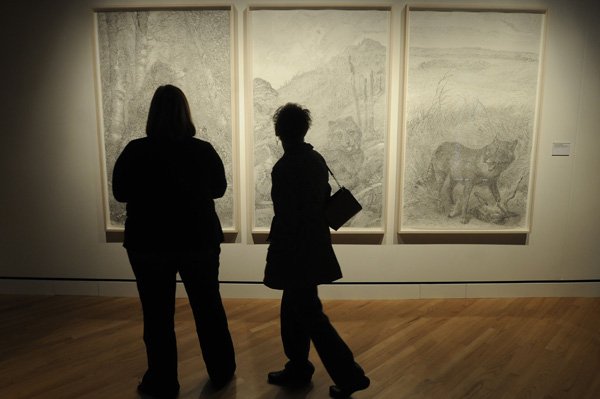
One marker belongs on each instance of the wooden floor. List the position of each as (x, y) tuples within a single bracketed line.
[(91, 347)]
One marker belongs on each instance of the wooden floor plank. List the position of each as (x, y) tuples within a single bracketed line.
[(91, 347)]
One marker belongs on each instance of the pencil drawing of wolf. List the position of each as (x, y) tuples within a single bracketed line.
[(453, 163)]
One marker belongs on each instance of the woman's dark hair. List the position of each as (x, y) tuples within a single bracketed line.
[(169, 116), (291, 122)]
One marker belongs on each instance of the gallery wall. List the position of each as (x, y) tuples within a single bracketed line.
[(52, 229)]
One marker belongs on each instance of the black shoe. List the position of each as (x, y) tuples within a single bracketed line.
[(292, 377), (158, 391), (346, 392), (219, 383)]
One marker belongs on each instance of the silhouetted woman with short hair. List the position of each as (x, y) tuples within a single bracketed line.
[(169, 181), (300, 257)]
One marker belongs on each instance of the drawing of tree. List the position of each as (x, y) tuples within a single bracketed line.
[(141, 50)]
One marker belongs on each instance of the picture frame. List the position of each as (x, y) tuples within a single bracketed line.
[(470, 116), (304, 63), (139, 48)]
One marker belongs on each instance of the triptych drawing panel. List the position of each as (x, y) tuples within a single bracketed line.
[(470, 119), (139, 50), (335, 63)]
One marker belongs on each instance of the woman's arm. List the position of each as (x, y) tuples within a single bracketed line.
[(218, 181), (120, 177)]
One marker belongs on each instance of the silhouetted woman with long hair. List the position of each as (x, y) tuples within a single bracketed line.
[(169, 181)]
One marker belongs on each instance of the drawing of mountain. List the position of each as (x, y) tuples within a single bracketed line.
[(348, 102), (332, 88), (342, 87)]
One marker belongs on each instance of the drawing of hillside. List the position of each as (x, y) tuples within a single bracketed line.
[(347, 97)]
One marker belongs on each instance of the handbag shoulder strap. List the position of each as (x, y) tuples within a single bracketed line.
[(332, 175)]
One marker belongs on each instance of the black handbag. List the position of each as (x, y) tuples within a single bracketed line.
[(341, 206)]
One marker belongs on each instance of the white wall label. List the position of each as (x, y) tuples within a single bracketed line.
[(561, 149)]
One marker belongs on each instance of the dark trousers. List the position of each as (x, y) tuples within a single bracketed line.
[(302, 321), (155, 273)]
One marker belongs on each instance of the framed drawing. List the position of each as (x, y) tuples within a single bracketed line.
[(141, 49), (472, 83), (335, 63)]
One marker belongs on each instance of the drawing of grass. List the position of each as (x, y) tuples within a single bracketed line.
[(474, 125)]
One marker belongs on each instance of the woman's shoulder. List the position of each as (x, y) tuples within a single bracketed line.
[(137, 145), (316, 155), (200, 144), (138, 142), (315, 159), (305, 161)]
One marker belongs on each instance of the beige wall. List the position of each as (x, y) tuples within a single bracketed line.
[(51, 217)]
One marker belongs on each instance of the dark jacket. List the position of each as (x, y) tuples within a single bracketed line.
[(169, 187), (300, 251)]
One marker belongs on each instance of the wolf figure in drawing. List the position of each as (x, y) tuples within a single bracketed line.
[(453, 163), (344, 152)]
